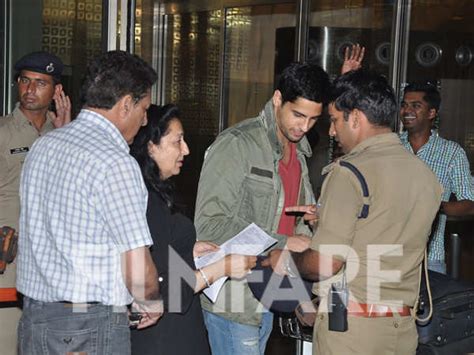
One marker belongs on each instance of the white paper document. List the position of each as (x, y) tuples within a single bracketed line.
[(250, 241)]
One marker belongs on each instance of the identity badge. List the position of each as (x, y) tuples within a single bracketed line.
[(19, 150)]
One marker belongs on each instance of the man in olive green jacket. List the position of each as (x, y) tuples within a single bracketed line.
[(251, 173)]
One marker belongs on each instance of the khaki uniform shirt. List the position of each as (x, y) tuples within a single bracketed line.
[(17, 135), (387, 247)]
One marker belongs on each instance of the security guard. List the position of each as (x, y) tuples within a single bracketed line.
[(38, 79), (376, 209)]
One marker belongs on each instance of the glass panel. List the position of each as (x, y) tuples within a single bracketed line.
[(192, 82), (441, 50), (250, 65), (143, 34), (334, 25), (71, 29)]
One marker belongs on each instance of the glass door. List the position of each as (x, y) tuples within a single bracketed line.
[(252, 58), (217, 61), (335, 25)]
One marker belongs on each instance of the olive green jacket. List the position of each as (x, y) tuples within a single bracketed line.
[(239, 184)]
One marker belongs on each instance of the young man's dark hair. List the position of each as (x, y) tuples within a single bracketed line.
[(113, 75), (305, 80), (431, 93), (368, 92)]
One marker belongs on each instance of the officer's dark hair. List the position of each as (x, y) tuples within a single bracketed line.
[(113, 75), (431, 93), (305, 80), (159, 119), (368, 92)]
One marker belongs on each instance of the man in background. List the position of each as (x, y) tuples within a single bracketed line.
[(39, 84), (447, 159)]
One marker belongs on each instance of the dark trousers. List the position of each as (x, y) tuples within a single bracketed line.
[(66, 328)]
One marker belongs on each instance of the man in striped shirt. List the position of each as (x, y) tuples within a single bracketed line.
[(446, 158)]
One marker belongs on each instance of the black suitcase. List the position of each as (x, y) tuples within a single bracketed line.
[(451, 328)]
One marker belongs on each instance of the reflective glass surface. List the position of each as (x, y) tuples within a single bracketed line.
[(251, 58)]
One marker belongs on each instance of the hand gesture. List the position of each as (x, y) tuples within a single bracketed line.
[(277, 259), (298, 243), (238, 266), (353, 58), (63, 110), (202, 248), (150, 311), (311, 212)]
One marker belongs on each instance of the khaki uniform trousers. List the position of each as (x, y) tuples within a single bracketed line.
[(9, 317), (378, 336)]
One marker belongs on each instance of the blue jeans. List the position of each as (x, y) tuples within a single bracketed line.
[(231, 338), (437, 265), (63, 328)]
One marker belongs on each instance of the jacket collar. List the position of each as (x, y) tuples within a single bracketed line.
[(269, 120), (373, 143)]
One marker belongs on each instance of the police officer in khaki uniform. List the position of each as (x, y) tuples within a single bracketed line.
[(38, 80), (369, 242)]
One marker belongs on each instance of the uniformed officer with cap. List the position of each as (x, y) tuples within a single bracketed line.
[(38, 78)]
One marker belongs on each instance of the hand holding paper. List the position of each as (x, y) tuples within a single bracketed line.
[(250, 241)]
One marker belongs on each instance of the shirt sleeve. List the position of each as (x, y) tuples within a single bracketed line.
[(123, 202), (460, 176), (341, 203)]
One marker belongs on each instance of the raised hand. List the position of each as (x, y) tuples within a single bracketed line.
[(63, 110), (353, 58)]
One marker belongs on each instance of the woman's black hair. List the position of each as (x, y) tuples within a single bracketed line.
[(159, 118)]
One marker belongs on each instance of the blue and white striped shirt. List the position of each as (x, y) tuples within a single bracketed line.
[(83, 203), (449, 162)]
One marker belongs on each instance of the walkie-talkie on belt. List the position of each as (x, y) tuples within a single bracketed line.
[(337, 306)]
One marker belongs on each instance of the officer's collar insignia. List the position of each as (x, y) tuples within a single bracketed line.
[(50, 68)]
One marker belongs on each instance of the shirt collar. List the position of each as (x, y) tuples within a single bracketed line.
[(406, 142), (21, 120), (107, 126), (374, 142)]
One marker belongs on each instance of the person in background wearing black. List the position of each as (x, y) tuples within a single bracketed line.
[(160, 149)]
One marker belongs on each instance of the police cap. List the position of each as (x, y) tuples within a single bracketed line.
[(41, 62)]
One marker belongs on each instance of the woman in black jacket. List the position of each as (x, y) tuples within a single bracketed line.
[(159, 149)]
